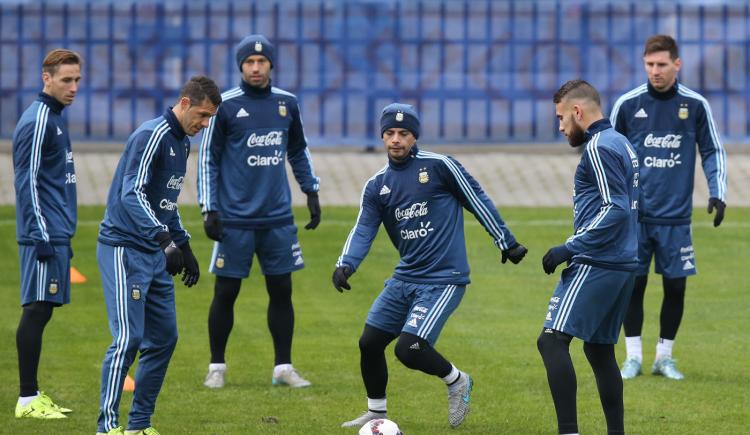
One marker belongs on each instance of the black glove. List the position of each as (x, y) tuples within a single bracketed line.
[(514, 254), (720, 206), (340, 278), (313, 204), (171, 251), (191, 272), (44, 250), (212, 226), (554, 257)]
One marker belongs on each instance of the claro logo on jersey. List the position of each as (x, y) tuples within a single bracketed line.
[(272, 138), (418, 209), (166, 204), (423, 230), (666, 141), (656, 162), (175, 183), (276, 159)]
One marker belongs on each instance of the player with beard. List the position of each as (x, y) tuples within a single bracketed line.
[(592, 296)]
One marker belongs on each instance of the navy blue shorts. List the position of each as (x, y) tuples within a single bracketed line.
[(418, 309), (278, 251), (47, 281), (590, 303), (670, 245)]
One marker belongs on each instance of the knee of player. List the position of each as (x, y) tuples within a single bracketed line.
[(408, 349), (550, 339)]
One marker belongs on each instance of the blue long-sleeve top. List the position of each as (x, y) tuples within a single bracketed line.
[(605, 201), (241, 172), (45, 176), (142, 199), (420, 203), (664, 128)]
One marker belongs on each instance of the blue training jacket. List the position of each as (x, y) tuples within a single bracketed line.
[(241, 171), (664, 128), (420, 203), (142, 199), (45, 176), (605, 201)]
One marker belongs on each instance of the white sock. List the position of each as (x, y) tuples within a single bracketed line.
[(279, 369), (218, 366), (23, 401), (377, 405), (452, 376), (634, 347), (664, 348)]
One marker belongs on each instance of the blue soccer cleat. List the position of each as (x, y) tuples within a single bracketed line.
[(630, 368), (667, 367)]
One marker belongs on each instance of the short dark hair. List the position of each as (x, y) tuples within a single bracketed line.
[(198, 88), (662, 43), (57, 57), (577, 89)]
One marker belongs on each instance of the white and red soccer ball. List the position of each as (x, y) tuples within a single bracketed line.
[(380, 426)]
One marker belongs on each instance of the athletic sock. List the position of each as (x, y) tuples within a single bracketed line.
[(452, 377), (664, 348), (23, 401), (277, 370), (634, 348), (217, 366), (377, 405)]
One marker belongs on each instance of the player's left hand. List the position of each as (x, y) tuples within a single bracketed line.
[(313, 204), (341, 278), (719, 205), (554, 257), (514, 254), (191, 271)]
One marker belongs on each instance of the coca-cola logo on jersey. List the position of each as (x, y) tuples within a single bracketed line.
[(666, 141), (175, 182), (272, 138), (417, 209)]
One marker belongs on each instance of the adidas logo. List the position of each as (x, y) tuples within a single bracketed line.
[(385, 190), (412, 322), (171, 152), (242, 113), (59, 132), (414, 346), (641, 113), (688, 265), (299, 261), (549, 316)]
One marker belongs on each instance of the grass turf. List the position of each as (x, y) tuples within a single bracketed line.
[(492, 336)]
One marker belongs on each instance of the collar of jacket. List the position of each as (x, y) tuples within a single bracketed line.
[(596, 127), (403, 164), (252, 91), (669, 93), (52, 102), (174, 124)]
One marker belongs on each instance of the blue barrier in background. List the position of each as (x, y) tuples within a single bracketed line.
[(478, 71)]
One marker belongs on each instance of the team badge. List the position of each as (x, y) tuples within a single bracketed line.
[(53, 287), (282, 110), (683, 112), (424, 177), (258, 46), (135, 293), (220, 262), (399, 116)]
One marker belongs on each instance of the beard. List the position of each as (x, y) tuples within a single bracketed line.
[(577, 136)]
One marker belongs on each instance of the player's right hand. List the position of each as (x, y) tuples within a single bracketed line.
[(172, 253), (514, 254), (719, 205), (192, 271), (44, 250), (212, 225), (341, 278)]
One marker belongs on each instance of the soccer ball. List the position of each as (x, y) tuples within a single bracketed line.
[(380, 426)]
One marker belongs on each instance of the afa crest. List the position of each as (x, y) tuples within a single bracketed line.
[(258, 46), (53, 287), (399, 116), (424, 177), (220, 263), (683, 112), (135, 293), (282, 110)]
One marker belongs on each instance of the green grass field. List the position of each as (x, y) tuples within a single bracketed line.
[(492, 336)]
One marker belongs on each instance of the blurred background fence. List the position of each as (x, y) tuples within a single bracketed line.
[(479, 71)]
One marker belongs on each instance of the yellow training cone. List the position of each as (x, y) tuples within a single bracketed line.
[(76, 277)]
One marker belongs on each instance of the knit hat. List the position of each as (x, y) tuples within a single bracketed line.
[(254, 44), (398, 115)]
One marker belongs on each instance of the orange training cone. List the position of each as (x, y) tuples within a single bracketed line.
[(128, 384), (76, 277)]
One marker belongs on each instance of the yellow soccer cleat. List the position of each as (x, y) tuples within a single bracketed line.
[(54, 405), (147, 431), (38, 408), (116, 431)]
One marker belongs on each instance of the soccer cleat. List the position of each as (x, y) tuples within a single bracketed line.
[(459, 396), (667, 367), (115, 431), (630, 368), (364, 418), (54, 405), (292, 378), (147, 431), (38, 408), (215, 379)]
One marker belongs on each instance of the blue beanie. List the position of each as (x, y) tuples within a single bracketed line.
[(254, 44), (398, 115)]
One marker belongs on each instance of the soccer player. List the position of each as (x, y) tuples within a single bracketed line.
[(665, 120), (419, 198), (592, 296), (141, 243), (246, 203), (46, 217)]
